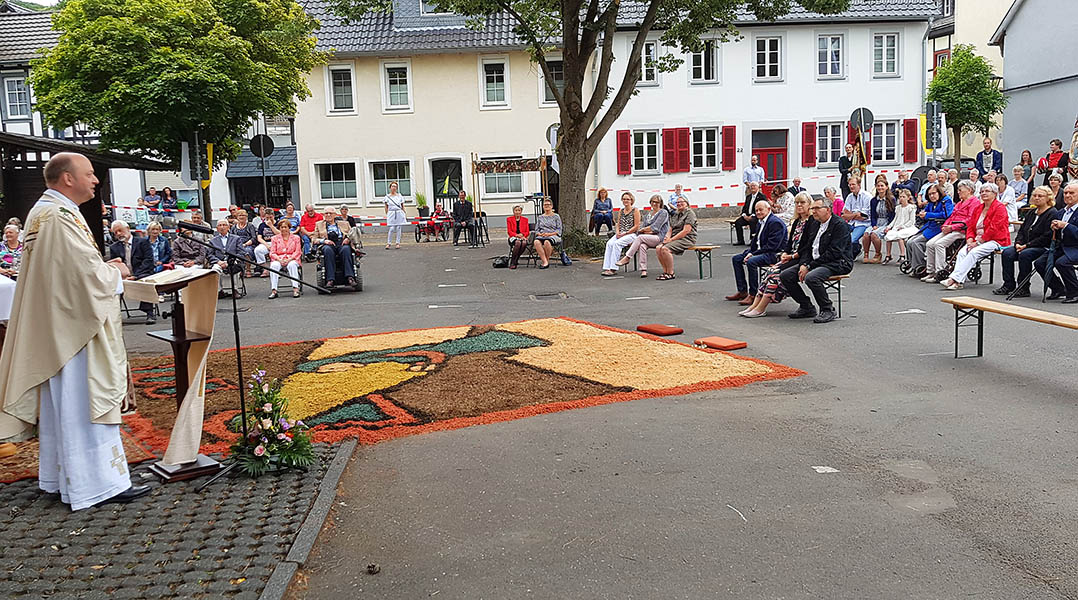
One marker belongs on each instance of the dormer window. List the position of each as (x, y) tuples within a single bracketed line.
[(432, 8)]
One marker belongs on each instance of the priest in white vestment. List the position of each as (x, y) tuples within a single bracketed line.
[(64, 366)]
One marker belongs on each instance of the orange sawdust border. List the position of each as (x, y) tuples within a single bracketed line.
[(401, 427)]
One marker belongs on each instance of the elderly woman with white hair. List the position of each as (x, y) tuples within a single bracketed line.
[(831, 198), (988, 231), (10, 252), (1055, 183)]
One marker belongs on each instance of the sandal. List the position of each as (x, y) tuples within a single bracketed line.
[(273, 295), (622, 262), (398, 246), (295, 293), (643, 274), (886, 260), (665, 277), (387, 246), (608, 273)]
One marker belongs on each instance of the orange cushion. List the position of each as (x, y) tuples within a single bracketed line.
[(659, 329), (720, 343)]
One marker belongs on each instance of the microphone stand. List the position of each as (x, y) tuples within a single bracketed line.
[(234, 261)]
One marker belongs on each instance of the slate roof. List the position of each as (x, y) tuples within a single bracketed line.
[(632, 12), (21, 34), (282, 163), (374, 33)]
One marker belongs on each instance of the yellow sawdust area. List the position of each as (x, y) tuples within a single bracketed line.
[(624, 359), (311, 393), (385, 341)]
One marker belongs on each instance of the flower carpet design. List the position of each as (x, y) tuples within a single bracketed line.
[(386, 385)]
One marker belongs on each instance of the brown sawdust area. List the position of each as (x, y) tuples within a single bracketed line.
[(483, 382), (277, 360)]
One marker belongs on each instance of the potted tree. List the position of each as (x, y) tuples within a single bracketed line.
[(421, 205)]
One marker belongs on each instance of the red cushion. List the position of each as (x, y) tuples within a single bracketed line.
[(659, 329), (720, 343)]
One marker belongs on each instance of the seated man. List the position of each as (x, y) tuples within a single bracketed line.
[(135, 252), (437, 222), (1063, 281), (768, 238), (680, 237), (830, 256), (796, 187), (307, 223), (745, 220), (904, 181), (224, 242), (1030, 243), (186, 252), (331, 234), (463, 216), (952, 230), (856, 214)]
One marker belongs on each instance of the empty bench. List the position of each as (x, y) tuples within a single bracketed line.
[(834, 284), (703, 253), (969, 312)]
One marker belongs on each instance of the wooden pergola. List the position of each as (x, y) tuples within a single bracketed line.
[(22, 180)]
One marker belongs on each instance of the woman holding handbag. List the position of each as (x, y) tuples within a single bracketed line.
[(395, 217)]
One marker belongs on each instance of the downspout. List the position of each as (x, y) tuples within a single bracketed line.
[(595, 157), (924, 71)]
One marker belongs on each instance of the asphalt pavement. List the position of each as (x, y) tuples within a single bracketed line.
[(890, 470)]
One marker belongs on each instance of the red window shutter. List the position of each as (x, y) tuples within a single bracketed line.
[(670, 164), (910, 152), (625, 152), (851, 133), (684, 149), (808, 144), (729, 148)]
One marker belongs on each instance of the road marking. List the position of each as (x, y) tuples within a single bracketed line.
[(442, 285), (825, 469), (639, 298), (738, 513), (443, 306), (934, 354), (909, 311), (615, 277), (450, 270)]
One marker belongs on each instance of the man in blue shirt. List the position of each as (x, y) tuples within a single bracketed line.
[(671, 204), (989, 159), (855, 213), (753, 172)]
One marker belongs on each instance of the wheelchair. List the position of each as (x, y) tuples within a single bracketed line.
[(340, 282), (423, 229)]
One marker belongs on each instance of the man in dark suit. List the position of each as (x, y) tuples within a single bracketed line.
[(827, 256), (224, 242), (137, 255), (1064, 282), (768, 238), (463, 216), (796, 188), (988, 159), (746, 218)]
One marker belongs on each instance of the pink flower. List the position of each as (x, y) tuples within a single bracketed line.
[(265, 388), (267, 407), (267, 424), (260, 450), (282, 436)]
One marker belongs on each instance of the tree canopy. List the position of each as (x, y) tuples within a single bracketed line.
[(967, 92), (577, 28), (146, 74)]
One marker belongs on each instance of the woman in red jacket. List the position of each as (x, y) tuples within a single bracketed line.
[(991, 230), (517, 226)]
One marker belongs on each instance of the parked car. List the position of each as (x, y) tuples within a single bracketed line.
[(948, 164)]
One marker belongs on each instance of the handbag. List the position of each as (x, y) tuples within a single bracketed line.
[(500, 262), (565, 260)]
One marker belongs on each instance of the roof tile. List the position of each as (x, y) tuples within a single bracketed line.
[(22, 34)]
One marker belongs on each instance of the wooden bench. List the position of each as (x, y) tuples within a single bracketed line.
[(733, 228), (704, 253), (834, 283), (967, 308)]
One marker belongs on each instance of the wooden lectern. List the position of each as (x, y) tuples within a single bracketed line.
[(180, 338)]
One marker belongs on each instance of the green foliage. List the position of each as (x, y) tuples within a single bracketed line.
[(274, 441), (581, 243), (29, 5), (147, 74), (969, 96), (420, 199)]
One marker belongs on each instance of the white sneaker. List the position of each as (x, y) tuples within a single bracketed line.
[(929, 279)]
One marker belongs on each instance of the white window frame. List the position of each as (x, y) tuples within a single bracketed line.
[(368, 170), (427, 13), (7, 114), (330, 110), (842, 138), (316, 182), (829, 36), (503, 196), (383, 77), (503, 59), (781, 58), (882, 148), (656, 52), (693, 129), (658, 151), (543, 102), (898, 54), (716, 52)]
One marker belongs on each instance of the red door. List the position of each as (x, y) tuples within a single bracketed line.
[(773, 160)]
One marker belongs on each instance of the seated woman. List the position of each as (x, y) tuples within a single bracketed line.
[(902, 226), (831, 198), (881, 212), (802, 234), (438, 221), (186, 252), (332, 234), (653, 227), (517, 227), (991, 231), (548, 234), (1007, 198), (10, 252), (162, 250), (265, 233), (624, 235), (937, 209), (782, 203), (1030, 243), (602, 212), (285, 252)]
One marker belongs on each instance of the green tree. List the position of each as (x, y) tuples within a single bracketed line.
[(147, 74), (578, 28), (965, 88)]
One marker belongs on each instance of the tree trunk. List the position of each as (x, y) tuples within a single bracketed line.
[(957, 133), (574, 160)]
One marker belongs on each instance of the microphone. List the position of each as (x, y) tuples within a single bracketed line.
[(195, 227)]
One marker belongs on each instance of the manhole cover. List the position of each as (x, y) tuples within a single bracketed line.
[(548, 297)]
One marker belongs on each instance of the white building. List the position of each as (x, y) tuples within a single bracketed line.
[(784, 92)]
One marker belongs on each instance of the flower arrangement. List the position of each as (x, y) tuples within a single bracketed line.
[(273, 440)]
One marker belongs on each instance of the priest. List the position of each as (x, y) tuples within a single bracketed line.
[(63, 365)]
